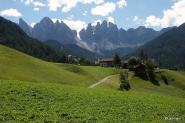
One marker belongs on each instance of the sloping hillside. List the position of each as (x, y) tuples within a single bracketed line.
[(72, 49), (15, 65), (168, 49), (175, 86), (12, 36)]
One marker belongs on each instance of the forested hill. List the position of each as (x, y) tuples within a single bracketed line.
[(12, 36), (168, 49)]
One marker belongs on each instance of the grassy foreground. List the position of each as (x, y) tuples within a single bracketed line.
[(49, 103), (15, 65)]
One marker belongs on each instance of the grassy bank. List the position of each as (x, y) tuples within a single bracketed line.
[(15, 65), (176, 85)]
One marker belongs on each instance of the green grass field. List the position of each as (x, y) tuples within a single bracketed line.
[(18, 66), (32, 90), (44, 102), (176, 85)]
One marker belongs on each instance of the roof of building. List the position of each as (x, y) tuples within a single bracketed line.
[(106, 60)]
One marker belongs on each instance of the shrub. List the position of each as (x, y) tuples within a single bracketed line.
[(164, 78), (133, 61), (124, 82)]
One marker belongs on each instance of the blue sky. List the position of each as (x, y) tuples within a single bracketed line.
[(78, 13)]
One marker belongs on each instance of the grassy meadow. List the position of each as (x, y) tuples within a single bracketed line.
[(18, 66), (32, 90), (46, 102), (176, 86)]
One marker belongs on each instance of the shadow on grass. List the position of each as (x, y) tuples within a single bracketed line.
[(155, 82)]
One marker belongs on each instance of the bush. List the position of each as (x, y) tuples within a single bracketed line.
[(124, 82), (133, 61), (164, 78)]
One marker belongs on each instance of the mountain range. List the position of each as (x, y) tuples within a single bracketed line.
[(110, 37), (58, 36), (168, 48), (102, 39)]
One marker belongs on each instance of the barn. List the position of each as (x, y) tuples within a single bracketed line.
[(108, 62)]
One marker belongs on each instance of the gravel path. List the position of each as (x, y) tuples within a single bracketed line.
[(101, 81)]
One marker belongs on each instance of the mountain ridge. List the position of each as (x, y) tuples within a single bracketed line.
[(13, 36), (100, 39), (168, 49)]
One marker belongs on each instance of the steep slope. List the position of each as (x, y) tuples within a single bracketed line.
[(72, 49), (169, 48), (15, 65), (25, 27), (47, 30), (107, 37), (12, 36), (109, 32)]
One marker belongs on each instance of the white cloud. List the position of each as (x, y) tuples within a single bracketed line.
[(174, 16), (136, 18), (73, 24), (152, 21), (10, 13), (138, 21), (27, 2), (104, 9), (67, 5), (36, 9), (110, 19), (122, 3), (32, 24), (36, 3)]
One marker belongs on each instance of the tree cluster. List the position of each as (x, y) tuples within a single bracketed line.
[(143, 66)]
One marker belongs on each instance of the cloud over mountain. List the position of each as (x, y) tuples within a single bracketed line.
[(10, 13), (67, 5), (104, 9), (174, 16)]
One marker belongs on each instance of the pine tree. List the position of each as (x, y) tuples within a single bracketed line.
[(117, 60)]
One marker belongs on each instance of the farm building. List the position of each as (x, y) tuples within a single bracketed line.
[(108, 62)]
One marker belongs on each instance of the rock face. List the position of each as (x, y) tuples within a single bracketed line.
[(25, 27), (107, 36), (47, 30), (103, 39)]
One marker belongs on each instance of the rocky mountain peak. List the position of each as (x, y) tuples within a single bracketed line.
[(25, 27), (46, 20)]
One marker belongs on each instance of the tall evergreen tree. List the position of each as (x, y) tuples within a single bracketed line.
[(117, 60)]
